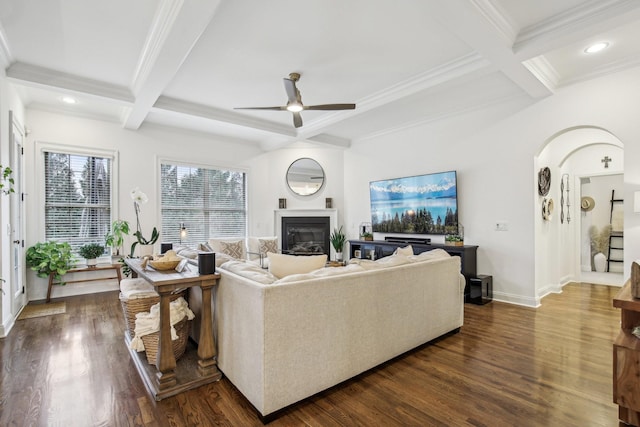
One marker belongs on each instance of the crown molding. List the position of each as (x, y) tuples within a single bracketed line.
[(498, 18), (162, 24), (6, 58), (33, 75), (610, 68), (216, 114), (543, 71), (570, 25), (452, 70), (442, 116)]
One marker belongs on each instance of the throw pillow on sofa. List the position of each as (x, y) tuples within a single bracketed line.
[(233, 249), (281, 265), (406, 251)]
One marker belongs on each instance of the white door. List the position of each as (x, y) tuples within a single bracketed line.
[(17, 216)]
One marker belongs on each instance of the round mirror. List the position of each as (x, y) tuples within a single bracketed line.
[(305, 177)]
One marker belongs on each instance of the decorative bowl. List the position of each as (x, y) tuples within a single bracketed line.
[(164, 265)]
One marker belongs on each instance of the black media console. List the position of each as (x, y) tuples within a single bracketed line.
[(467, 253)]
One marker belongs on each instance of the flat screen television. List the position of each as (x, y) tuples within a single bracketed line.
[(421, 204)]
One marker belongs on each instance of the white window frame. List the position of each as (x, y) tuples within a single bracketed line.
[(42, 147), (183, 163)]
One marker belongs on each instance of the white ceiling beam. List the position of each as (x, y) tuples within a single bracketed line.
[(176, 28), (476, 24)]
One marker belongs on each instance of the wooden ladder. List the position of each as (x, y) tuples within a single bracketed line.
[(617, 235)]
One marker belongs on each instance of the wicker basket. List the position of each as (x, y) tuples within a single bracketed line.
[(133, 306), (179, 346)]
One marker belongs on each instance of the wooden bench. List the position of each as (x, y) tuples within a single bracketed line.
[(99, 267)]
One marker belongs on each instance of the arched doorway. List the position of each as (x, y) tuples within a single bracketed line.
[(571, 155)]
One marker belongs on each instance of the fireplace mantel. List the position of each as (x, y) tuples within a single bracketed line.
[(281, 213)]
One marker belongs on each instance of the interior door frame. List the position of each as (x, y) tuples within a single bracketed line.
[(16, 223)]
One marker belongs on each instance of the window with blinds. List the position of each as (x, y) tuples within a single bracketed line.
[(210, 203), (77, 198)]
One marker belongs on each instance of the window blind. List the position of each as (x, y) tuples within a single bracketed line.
[(209, 202), (77, 198)]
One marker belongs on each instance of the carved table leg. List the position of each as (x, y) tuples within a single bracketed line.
[(207, 364), (166, 362)]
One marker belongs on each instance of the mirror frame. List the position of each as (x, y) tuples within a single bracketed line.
[(299, 187)]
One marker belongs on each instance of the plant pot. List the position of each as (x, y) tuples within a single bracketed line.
[(92, 262), (145, 250), (454, 243), (339, 256), (600, 262)]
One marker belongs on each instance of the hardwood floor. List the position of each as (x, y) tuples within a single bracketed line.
[(508, 366)]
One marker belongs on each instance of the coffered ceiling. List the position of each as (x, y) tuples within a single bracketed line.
[(188, 63)]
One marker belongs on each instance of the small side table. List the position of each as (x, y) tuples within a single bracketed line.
[(99, 267), (480, 290)]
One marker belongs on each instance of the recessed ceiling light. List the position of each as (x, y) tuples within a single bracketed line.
[(69, 100), (596, 47)]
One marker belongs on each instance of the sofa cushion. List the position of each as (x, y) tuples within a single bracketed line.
[(281, 265), (407, 251), (432, 254), (249, 271)]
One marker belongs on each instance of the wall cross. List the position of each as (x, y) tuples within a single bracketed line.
[(606, 161)]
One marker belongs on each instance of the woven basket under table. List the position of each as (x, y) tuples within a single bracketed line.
[(179, 346), (133, 306)]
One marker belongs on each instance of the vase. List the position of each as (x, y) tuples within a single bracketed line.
[(600, 262), (92, 262), (145, 250)]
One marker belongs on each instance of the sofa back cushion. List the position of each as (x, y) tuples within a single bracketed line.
[(249, 271), (281, 265)]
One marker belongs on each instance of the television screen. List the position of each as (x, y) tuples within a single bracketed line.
[(423, 204)]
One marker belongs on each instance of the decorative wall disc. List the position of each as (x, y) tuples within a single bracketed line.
[(544, 181), (547, 208)]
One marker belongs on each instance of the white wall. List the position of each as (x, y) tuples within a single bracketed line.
[(496, 171)]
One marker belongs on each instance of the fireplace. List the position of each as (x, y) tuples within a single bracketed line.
[(306, 235)]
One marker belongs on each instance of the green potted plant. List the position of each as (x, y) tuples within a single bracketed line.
[(115, 237), (50, 257), (366, 236), (337, 239), (91, 251), (453, 240)]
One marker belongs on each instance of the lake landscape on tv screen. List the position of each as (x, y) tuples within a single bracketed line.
[(422, 204)]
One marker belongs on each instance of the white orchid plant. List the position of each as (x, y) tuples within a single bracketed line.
[(140, 198)]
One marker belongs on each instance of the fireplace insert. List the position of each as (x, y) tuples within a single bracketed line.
[(306, 235)]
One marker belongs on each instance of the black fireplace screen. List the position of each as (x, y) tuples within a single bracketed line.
[(307, 235)]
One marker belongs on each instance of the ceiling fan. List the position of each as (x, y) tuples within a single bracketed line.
[(294, 103)]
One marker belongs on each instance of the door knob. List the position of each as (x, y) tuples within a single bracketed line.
[(16, 241)]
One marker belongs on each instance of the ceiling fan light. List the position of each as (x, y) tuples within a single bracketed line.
[(294, 107)]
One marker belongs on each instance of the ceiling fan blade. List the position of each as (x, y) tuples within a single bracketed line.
[(297, 120), (292, 91), (261, 108), (330, 107)]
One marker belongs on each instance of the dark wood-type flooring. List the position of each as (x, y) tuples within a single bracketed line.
[(509, 366)]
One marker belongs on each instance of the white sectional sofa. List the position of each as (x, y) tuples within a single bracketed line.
[(283, 340)]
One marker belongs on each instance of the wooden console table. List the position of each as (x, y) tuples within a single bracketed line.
[(99, 267), (168, 379), (626, 358)]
